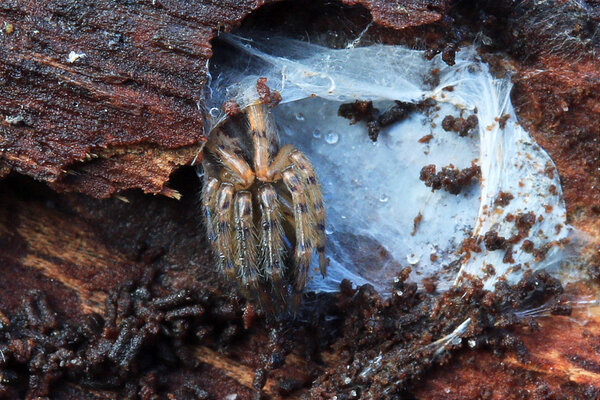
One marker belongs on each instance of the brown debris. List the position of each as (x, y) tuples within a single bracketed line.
[(417, 220), (425, 139), (405, 364), (267, 97), (44, 247), (468, 245), (502, 120), (508, 255), (364, 111), (494, 242), (524, 222), (527, 246), (429, 285), (449, 178), (460, 125), (231, 108), (358, 111), (503, 199)]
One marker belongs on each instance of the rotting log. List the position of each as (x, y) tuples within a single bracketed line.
[(44, 248), (99, 97), (59, 250), (119, 81)]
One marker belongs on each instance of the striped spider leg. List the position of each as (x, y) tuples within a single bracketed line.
[(258, 200)]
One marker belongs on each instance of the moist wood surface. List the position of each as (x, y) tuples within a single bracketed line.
[(99, 97), (103, 79)]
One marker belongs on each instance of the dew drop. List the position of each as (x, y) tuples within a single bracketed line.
[(412, 259), (328, 230), (299, 117), (384, 198), (456, 340), (214, 112), (332, 137), (317, 134)]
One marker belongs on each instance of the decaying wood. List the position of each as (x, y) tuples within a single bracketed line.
[(80, 80), (57, 250), (59, 253), (98, 97)]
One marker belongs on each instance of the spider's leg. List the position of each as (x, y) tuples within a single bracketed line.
[(314, 199), (304, 245), (209, 204), (245, 242), (264, 138), (280, 162), (229, 154), (224, 243), (271, 238)]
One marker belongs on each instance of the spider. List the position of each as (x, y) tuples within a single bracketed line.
[(261, 204)]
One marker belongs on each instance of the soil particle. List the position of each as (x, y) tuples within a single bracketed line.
[(508, 255), (503, 199), (364, 111), (460, 125), (527, 246), (524, 222), (469, 245), (231, 108), (396, 113), (502, 120), (420, 332), (449, 178), (358, 111), (429, 284), (267, 97), (494, 242)]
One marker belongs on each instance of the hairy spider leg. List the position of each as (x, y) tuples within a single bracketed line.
[(280, 162), (272, 238), (209, 203), (230, 155), (245, 242), (225, 245), (304, 244), (264, 138), (287, 156), (316, 207)]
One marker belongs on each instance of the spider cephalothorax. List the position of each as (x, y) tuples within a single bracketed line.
[(263, 207)]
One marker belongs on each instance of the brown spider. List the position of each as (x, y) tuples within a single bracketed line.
[(260, 202)]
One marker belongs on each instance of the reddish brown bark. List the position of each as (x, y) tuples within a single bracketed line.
[(102, 96), (86, 79)]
